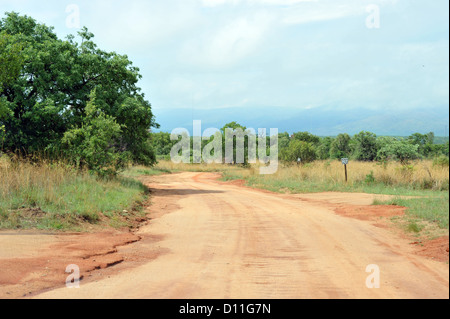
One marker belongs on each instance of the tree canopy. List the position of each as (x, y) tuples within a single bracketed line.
[(45, 90)]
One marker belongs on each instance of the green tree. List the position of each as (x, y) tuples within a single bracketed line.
[(307, 137), (283, 140), (424, 142), (51, 93), (365, 147), (340, 148), (11, 63), (398, 150), (162, 144), (236, 127), (299, 149), (95, 145), (445, 149), (136, 118), (324, 148)]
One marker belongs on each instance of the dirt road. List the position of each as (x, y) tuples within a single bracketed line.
[(226, 241)]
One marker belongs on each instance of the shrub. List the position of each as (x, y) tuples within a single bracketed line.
[(399, 150), (414, 227), (441, 161), (370, 179), (299, 149), (96, 144), (365, 146), (340, 147)]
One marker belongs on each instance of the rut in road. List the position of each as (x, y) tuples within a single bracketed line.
[(227, 241)]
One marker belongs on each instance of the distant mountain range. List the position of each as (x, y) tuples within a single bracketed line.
[(322, 121)]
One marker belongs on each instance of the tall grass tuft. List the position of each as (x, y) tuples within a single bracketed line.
[(59, 194)]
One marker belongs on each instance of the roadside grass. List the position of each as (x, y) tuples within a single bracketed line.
[(432, 209), (296, 185), (421, 178), (53, 196), (169, 166), (388, 178), (136, 171)]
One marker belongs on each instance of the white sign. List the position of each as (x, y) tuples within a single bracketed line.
[(345, 161)]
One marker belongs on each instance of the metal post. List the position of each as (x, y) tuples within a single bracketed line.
[(345, 162)]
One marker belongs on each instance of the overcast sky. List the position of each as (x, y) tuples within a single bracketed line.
[(286, 54)]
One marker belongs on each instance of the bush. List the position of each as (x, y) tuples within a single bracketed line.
[(399, 150), (340, 147), (95, 145), (370, 179), (441, 161), (299, 149), (365, 146), (414, 227)]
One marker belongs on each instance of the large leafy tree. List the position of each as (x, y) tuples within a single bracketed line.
[(94, 145), (323, 150), (340, 147), (52, 91), (240, 130), (11, 62), (307, 137), (299, 149), (283, 140), (398, 150), (365, 146), (162, 143), (424, 142)]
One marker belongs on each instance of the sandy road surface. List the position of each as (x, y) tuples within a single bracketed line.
[(227, 241)]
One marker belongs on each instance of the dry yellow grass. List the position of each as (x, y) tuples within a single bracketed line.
[(61, 194), (419, 174), (17, 176)]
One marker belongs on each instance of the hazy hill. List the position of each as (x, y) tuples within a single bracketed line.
[(323, 121)]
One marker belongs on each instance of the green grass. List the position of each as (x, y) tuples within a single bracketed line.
[(414, 227), (433, 209), (313, 186), (68, 202), (137, 171)]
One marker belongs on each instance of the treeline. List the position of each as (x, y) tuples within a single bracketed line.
[(163, 144), (364, 146), (70, 99)]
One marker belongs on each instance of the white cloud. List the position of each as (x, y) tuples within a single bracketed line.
[(139, 24), (230, 43), (321, 12), (214, 3), (219, 53), (279, 2)]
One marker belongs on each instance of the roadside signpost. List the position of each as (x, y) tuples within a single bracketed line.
[(299, 161), (345, 163)]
